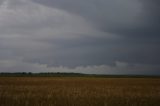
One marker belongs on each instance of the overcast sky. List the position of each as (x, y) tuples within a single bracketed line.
[(86, 36)]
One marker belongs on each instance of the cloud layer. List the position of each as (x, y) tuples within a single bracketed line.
[(88, 36)]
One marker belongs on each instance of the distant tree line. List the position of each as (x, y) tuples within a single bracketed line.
[(57, 74), (61, 74)]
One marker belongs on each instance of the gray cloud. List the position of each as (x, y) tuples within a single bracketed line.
[(119, 68), (104, 14), (89, 36), (126, 17)]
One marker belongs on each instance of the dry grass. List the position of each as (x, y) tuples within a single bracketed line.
[(48, 91)]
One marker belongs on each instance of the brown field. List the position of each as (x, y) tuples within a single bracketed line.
[(79, 91)]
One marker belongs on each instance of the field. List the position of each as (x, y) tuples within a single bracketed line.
[(79, 91)]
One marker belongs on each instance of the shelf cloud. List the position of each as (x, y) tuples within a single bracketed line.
[(86, 36)]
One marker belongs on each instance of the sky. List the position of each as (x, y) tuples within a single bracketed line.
[(81, 36)]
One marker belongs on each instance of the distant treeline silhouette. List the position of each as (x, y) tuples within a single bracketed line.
[(58, 74), (67, 74)]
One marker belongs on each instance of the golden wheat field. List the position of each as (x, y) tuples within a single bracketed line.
[(79, 91)]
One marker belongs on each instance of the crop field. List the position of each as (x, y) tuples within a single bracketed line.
[(79, 91)]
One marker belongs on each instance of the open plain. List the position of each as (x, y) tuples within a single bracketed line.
[(79, 91)]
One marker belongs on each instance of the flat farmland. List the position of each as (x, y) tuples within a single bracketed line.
[(79, 91)]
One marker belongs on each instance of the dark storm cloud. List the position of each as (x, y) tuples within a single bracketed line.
[(89, 36), (150, 26), (139, 18), (104, 14), (136, 21), (83, 52), (152, 8), (152, 12)]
